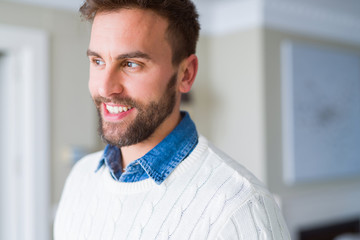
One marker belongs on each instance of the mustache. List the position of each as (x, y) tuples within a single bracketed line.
[(116, 100)]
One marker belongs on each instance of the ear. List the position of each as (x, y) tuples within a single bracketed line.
[(188, 71)]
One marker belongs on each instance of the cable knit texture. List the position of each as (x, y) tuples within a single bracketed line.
[(208, 196)]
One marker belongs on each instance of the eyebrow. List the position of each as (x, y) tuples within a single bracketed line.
[(136, 54)]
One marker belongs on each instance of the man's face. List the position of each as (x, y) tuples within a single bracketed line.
[(132, 79)]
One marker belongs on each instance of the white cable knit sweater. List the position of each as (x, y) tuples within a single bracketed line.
[(208, 196)]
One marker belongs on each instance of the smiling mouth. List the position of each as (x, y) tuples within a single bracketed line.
[(117, 109)]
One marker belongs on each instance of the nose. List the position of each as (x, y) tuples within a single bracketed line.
[(111, 84)]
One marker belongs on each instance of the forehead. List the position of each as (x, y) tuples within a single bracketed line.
[(128, 28)]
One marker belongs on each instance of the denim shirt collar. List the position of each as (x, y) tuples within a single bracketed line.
[(160, 161)]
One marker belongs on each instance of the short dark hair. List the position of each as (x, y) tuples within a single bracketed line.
[(183, 29)]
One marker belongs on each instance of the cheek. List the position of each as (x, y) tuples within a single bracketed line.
[(155, 84), (93, 85), (148, 92)]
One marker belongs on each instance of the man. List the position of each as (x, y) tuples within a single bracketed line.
[(157, 178)]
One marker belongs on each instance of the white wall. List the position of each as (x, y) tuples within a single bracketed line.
[(228, 94), (72, 115)]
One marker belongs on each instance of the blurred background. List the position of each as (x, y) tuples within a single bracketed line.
[(278, 89)]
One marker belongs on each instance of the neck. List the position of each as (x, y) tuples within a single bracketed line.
[(133, 152)]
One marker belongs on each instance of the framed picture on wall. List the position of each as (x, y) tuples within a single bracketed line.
[(321, 112)]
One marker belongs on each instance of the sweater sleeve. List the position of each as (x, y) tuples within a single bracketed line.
[(257, 219)]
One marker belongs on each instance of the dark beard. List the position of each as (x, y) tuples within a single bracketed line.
[(148, 119)]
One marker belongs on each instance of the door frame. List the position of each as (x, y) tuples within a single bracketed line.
[(26, 52)]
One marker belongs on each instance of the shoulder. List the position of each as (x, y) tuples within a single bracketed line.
[(89, 162), (248, 206), (80, 175), (77, 186), (85, 166), (227, 166)]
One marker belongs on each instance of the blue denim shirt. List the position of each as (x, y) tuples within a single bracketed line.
[(160, 161)]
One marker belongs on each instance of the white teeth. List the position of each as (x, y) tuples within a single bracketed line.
[(116, 109)]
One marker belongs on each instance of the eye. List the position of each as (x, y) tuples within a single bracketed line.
[(132, 65), (96, 61), (99, 62)]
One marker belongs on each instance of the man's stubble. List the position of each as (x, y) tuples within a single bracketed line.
[(149, 117)]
